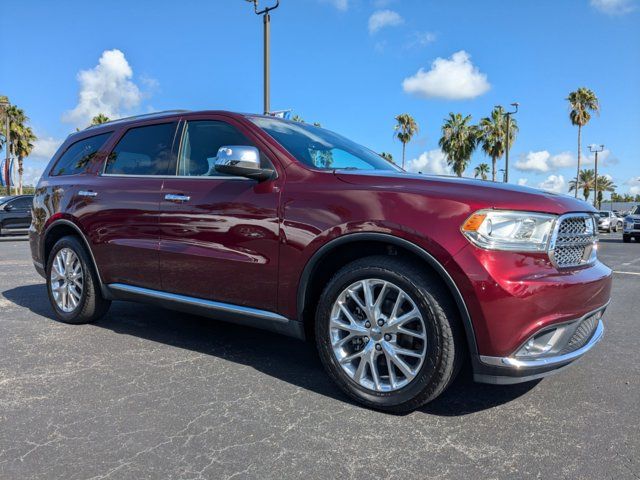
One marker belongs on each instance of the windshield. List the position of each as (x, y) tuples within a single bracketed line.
[(603, 214), (636, 210), (320, 148)]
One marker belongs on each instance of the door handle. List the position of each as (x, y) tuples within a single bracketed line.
[(172, 197), (87, 193)]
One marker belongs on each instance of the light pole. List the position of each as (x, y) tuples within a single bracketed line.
[(266, 19), (508, 134), (595, 149), (503, 175), (7, 140)]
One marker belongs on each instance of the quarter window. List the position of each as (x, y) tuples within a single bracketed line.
[(143, 151), (77, 158), (201, 141)]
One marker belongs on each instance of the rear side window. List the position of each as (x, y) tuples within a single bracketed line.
[(22, 203), (77, 158), (143, 151)]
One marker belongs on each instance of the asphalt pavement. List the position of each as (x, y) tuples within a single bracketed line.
[(150, 393)]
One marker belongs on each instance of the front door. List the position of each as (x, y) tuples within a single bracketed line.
[(218, 234)]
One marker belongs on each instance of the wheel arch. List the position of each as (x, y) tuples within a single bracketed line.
[(365, 244)]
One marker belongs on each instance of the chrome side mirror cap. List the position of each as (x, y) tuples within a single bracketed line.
[(242, 161)]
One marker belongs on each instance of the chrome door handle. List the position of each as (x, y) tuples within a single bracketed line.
[(171, 197), (87, 193)]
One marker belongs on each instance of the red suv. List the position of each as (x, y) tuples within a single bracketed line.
[(289, 227)]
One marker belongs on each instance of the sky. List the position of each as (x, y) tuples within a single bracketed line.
[(352, 65)]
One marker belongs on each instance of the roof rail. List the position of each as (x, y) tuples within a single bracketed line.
[(136, 117)]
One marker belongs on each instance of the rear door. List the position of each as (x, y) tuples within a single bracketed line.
[(219, 239), (121, 204)]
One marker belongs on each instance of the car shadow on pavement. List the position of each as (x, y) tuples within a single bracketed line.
[(275, 355)]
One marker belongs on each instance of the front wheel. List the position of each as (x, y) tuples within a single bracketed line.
[(388, 333), (72, 283)]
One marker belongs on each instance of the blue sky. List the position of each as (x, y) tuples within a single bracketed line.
[(350, 64)]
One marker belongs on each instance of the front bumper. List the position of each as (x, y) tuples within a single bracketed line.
[(514, 369)]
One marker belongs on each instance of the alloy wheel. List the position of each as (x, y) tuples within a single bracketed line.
[(66, 280)]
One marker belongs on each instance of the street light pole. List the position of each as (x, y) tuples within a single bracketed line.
[(595, 149), (508, 132), (266, 20), (7, 141)]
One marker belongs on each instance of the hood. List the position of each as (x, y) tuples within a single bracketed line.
[(480, 193)]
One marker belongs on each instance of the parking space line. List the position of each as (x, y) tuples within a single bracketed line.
[(627, 273)]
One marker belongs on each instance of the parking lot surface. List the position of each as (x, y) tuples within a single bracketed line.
[(150, 393)]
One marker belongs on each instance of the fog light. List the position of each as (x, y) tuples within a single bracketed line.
[(539, 344)]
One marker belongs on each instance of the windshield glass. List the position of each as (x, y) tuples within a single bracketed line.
[(320, 148), (636, 210), (603, 214)]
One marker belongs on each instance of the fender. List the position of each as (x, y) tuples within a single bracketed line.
[(400, 242), (103, 289)]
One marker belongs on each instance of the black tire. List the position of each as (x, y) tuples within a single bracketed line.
[(626, 238), (445, 348), (92, 306)]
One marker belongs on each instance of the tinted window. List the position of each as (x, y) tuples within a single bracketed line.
[(78, 156), (143, 151), (320, 148), (23, 203), (201, 141)]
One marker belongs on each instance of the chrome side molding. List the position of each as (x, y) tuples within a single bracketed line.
[(218, 310)]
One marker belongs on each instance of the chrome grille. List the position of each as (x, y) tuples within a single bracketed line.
[(573, 241), (581, 335)]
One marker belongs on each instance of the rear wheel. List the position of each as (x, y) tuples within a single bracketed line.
[(388, 333), (72, 283)]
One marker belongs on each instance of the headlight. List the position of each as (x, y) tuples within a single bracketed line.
[(508, 230)]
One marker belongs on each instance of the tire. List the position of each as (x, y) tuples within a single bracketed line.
[(443, 352), (626, 238), (90, 305), (615, 228)]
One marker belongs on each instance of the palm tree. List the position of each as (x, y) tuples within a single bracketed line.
[(585, 183), (22, 139), (481, 171), (581, 102), (405, 129), (100, 119), (605, 184), (493, 136), (459, 140), (297, 118), (387, 156)]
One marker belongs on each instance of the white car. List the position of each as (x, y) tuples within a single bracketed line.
[(608, 221), (631, 226)]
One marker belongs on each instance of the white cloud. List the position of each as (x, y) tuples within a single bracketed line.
[(45, 147), (634, 185), (421, 39), (433, 161), (342, 5), (553, 183), (106, 88), (543, 161), (454, 78), (384, 18), (31, 175), (614, 7), (522, 181)]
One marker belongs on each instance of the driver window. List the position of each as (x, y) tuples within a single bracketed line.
[(201, 140)]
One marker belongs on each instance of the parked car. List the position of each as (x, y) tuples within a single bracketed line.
[(15, 214), (631, 227), (608, 221), (398, 278)]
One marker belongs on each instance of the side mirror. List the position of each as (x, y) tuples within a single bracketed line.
[(242, 161), (9, 208)]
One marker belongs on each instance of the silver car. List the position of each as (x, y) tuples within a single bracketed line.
[(631, 226), (608, 221)]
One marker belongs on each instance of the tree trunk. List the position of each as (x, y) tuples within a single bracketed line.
[(20, 172), (579, 158), (404, 145), (493, 169)]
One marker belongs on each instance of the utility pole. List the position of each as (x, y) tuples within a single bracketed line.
[(508, 134), (7, 141), (266, 20), (595, 149)]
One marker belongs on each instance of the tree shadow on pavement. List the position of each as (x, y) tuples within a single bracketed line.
[(275, 355)]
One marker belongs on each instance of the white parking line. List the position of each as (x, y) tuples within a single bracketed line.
[(627, 273)]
